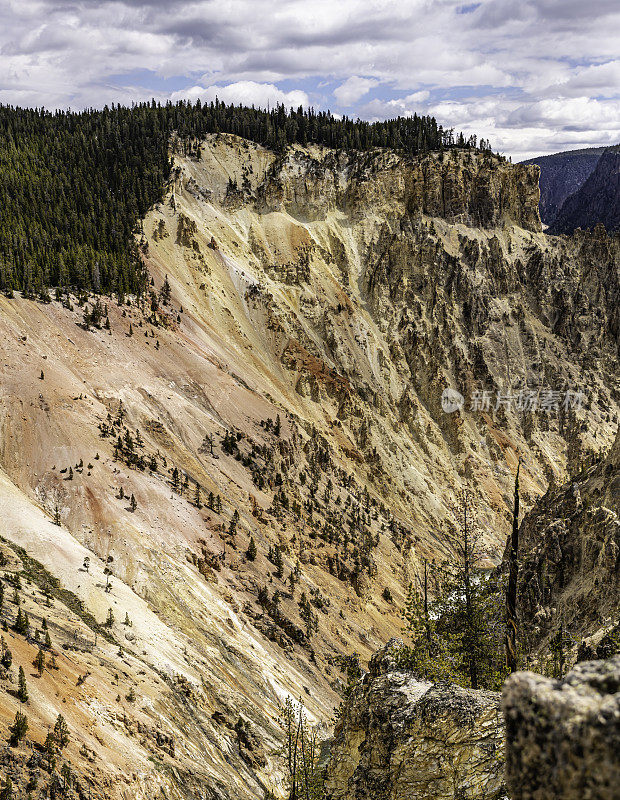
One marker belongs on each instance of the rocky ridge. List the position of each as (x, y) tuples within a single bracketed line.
[(597, 201), (561, 175)]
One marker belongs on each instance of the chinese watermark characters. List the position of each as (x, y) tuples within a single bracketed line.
[(547, 401)]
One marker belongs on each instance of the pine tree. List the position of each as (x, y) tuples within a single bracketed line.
[(277, 560), (21, 622), (18, 729), (109, 619), (57, 516), (50, 748), (67, 776), (7, 657), (197, 500), (164, 292), (61, 732), (39, 662), (456, 635), (133, 504), (251, 551), (22, 689)]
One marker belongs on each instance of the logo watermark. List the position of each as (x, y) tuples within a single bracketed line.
[(451, 400), (546, 401)]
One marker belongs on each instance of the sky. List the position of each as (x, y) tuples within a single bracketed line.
[(533, 76)]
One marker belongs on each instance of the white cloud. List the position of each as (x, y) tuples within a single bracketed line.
[(353, 88), (245, 92), (417, 97)]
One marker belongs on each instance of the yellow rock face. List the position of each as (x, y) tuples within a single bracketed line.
[(342, 293)]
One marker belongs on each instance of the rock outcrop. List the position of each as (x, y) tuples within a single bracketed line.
[(478, 190), (563, 737), (400, 738)]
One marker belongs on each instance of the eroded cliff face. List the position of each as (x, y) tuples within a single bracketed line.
[(342, 294), (570, 554), (467, 187)]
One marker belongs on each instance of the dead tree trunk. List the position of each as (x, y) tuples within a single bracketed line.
[(511, 591)]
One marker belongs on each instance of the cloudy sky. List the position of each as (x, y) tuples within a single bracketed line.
[(533, 76)]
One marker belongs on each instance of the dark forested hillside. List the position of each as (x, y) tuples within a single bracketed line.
[(561, 174), (73, 186), (596, 201)]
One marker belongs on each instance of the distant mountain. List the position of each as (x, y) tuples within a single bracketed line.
[(561, 175), (597, 200)]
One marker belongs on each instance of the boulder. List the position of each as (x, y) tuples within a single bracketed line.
[(563, 736)]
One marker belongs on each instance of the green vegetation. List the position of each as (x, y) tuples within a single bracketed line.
[(39, 662), (21, 622), (73, 186), (6, 657), (61, 732), (18, 729), (301, 755), (22, 689), (458, 634), (251, 552)]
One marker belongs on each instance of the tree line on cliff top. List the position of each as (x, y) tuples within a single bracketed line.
[(74, 185)]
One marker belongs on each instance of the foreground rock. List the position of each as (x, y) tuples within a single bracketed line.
[(401, 738), (563, 737)]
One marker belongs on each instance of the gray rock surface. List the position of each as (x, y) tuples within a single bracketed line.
[(400, 738), (563, 737)]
